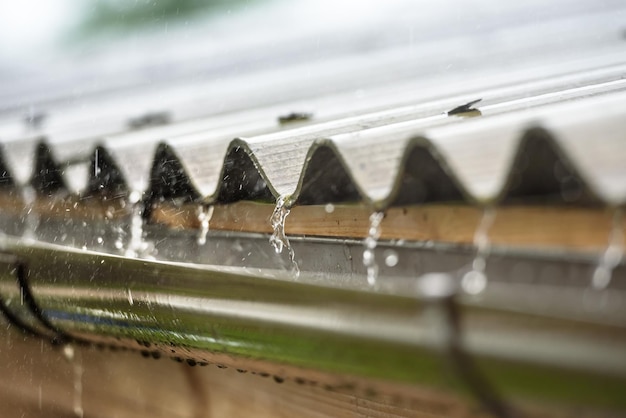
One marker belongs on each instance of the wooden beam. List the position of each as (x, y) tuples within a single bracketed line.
[(573, 228)]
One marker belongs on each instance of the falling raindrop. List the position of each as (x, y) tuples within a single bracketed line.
[(436, 285), (475, 281), (31, 222), (204, 217), (369, 257), (329, 208), (73, 356), (68, 352), (129, 295), (612, 256), (278, 239), (391, 258), (121, 235), (78, 387)]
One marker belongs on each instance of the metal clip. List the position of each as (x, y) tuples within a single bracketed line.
[(441, 290)]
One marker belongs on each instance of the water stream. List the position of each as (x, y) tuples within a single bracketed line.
[(31, 222), (137, 246), (475, 281), (278, 239), (370, 243), (612, 256), (204, 217)]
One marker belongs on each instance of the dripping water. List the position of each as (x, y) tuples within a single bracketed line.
[(612, 256), (121, 235), (31, 222), (137, 246), (278, 239), (73, 356), (136, 225), (475, 281), (204, 217), (370, 243)]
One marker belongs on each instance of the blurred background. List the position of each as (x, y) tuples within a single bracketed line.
[(78, 47)]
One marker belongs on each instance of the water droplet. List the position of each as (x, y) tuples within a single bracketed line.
[(329, 208), (100, 240), (237, 246), (204, 217), (391, 258), (129, 294), (134, 197), (479, 264), (612, 256), (475, 281), (370, 242), (278, 239), (601, 277), (68, 352), (436, 285)]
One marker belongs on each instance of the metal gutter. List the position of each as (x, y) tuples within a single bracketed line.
[(213, 314)]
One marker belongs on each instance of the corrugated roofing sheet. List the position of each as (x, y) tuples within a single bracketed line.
[(565, 142), (550, 124)]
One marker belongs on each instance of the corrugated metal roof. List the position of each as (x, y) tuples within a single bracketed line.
[(558, 142), (551, 123)]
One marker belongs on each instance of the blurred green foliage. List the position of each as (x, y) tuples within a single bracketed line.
[(116, 15)]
